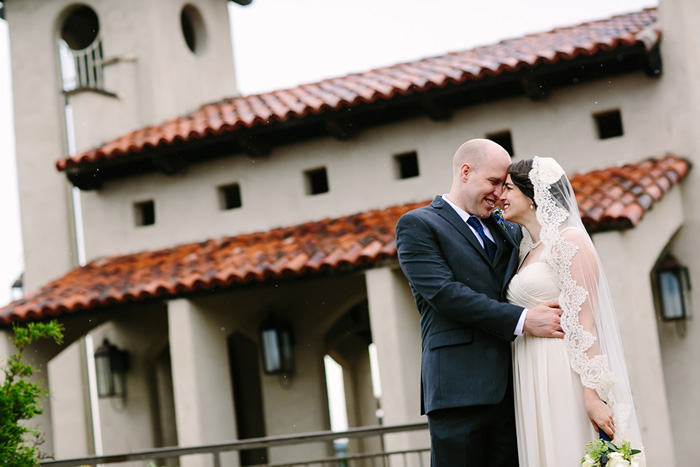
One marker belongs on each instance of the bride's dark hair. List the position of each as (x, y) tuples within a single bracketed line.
[(520, 174)]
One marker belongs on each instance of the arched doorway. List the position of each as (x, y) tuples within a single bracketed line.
[(347, 342)]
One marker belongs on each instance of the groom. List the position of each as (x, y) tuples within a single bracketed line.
[(458, 262)]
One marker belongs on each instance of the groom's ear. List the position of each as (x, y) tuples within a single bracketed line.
[(465, 170)]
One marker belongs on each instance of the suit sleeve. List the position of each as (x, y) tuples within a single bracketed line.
[(425, 266)]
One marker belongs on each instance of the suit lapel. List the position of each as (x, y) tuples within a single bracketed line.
[(446, 212), (499, 238), (507, 232)]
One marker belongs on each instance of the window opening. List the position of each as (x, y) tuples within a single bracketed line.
[(145, 213), (406, 165), (609, 124), (230, 197), (316, 181), (504, 138)]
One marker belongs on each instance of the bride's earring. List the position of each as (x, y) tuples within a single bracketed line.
[(532, 205)]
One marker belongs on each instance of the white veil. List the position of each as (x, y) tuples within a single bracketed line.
[(592, 338)]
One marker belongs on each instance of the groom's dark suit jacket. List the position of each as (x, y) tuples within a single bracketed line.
[(466, 327)]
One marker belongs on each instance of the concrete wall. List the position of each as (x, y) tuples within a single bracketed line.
[(44, 195), (294, 404), (70, 402), (157, 85), (659, 115), (680, 98), (273, 187), (628, 259)]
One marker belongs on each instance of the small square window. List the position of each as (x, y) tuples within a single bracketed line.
[(145, 213), (504, 138), (406, 165), (316, 181), (609, 124), (230, 197)]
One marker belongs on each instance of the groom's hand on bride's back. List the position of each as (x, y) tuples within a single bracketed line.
[(543, 320)]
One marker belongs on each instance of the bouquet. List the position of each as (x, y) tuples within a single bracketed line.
[(603, 453)]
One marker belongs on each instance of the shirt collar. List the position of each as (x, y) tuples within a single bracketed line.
[(461, 212)]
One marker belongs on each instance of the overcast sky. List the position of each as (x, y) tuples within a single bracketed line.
[(282, 43)]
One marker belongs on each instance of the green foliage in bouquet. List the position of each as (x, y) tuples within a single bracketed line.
[(19, 398), (601, 453)]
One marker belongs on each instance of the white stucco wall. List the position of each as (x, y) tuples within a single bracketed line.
[(628, 259), (163, 77), (361, 172), (659, 115), (39, 135), (70, 402), (156, 86)]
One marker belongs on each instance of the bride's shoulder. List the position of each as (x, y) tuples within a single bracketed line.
[(583, 242), (573, 234)]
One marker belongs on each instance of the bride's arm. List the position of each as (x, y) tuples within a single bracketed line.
[(585, 272)]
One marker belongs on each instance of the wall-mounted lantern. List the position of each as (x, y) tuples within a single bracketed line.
[(673, 282), (111, 364), (17, 290), (277, 341)]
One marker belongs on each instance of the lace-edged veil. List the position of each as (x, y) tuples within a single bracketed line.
[(592, 338)]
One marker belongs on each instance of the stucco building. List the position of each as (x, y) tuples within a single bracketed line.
[(203, 222)]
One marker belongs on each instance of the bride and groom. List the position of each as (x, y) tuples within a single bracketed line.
[(522, 362)]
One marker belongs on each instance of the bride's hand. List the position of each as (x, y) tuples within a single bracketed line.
[(599, 413)]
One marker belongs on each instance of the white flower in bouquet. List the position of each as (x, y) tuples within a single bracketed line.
[(616, 459), (587, 461)]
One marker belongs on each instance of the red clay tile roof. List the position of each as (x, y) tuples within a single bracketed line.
[(386, 83), (617, 197), (613, 198)]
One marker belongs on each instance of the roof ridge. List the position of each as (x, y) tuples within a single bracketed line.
[(390, 81)]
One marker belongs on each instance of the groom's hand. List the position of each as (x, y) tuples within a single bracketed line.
[(543, 320)]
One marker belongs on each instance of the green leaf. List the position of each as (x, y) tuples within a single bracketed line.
[(20, 398)]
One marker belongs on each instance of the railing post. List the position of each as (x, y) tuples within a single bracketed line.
[(217, 459)]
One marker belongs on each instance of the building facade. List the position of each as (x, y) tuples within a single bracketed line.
[(202, 222)]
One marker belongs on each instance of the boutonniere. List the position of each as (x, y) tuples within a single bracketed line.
[(497, 213)]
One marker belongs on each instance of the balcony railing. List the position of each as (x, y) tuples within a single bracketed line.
[(86, 70), (418, 456)]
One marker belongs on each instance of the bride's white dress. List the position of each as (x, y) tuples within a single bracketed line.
[(552, 425)]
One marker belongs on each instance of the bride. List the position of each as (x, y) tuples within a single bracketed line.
[(565, 389)]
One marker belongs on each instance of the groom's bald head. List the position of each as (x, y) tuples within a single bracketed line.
[(476, 152)]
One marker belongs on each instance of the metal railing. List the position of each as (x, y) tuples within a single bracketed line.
[(88, 65), (417, 457), (380, 459)]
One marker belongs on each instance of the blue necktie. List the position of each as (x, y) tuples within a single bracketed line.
[(489, 245)]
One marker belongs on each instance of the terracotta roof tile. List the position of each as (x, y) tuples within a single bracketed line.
[(618, 197), (385, 83), (613, 198)]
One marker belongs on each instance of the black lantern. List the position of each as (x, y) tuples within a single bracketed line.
[(111, 364), (17, 290), (673, 281), (277, 341)]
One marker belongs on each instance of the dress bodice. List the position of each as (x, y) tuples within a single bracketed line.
[(534, 284)]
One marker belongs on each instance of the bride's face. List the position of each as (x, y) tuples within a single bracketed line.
[(516, 206)]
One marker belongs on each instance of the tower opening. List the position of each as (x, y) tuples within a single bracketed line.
[(193, 30), (81, 28), (80, 51)]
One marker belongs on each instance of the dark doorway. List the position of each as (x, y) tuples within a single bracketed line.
[(247, 391)]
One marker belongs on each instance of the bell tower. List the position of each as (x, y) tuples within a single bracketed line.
[(90, 71)]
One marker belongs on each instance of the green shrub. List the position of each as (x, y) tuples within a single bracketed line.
[(19, 398)]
